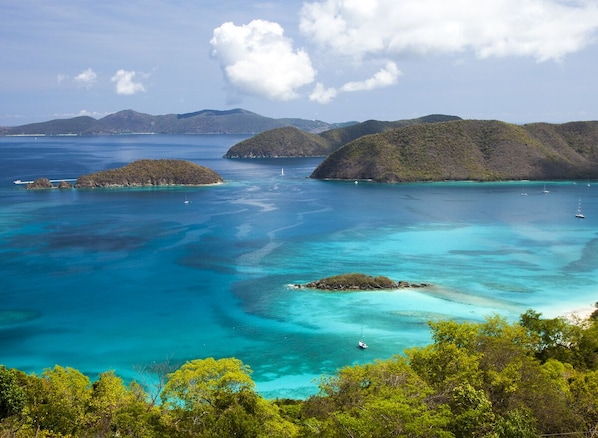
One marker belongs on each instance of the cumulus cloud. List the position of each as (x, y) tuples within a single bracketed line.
[(257, 59), (385, 77), (86, 78), (542, 29), (125, 82)]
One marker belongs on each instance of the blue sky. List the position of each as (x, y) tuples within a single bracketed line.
[(334, 60)]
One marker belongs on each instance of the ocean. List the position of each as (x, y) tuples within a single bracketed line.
[(134, 279)]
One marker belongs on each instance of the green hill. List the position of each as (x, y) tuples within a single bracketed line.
[(468, 150), (282, 142), (291, 142), (151, 173)]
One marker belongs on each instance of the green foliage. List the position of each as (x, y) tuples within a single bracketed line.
[(493, 379), (61, 400), (12, 395), (202, 381)]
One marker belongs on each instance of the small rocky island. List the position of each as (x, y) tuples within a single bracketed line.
[(45, 183), (141, 173), (358, 282)]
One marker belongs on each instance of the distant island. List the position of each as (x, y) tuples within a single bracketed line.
[(475, 150), (358, 282), (235, 121), (142, 173)]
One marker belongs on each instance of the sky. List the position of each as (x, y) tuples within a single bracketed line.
[(519, 61)]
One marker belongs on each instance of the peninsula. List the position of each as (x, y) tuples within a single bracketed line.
[(474, 150)]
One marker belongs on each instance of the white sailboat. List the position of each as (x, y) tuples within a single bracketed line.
[(362, 344), (282, 172), (579, 214)]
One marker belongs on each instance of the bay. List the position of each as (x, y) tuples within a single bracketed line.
[(125, 278)]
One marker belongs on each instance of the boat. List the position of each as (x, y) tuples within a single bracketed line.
[(579, 214), (545, 191), (186, 201), (282, 172), (362, 345)]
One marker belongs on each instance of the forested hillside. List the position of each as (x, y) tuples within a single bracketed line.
[(531, 378), (291, 142), (468, 150)]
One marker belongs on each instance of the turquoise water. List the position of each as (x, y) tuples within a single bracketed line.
[(122, 279)]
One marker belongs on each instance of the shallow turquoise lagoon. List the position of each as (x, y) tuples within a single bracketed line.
[(124, 279)]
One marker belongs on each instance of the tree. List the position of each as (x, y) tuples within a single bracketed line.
[(208, 397), (584, 388), (553, 338), (66, 394), (384, 399), (12, 396), (200, 382)]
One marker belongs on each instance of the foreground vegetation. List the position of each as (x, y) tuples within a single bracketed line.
[(494, 379)]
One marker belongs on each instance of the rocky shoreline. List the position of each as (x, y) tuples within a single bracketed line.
[(358, 282)]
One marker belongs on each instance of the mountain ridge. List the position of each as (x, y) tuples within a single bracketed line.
[(207, 121), (291, 142)]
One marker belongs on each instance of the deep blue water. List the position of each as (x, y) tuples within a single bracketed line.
[(122, 278)]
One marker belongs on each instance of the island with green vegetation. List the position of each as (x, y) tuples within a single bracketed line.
[(474, 150), (208, 121), (289, 141), (358, 282), (496, 379), (141, 173)]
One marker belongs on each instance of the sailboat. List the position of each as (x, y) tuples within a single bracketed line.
[(545, 191), (362, 344), (579, 214), (282, 172)]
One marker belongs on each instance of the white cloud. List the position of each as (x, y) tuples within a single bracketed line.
[(86, 78), (542, 29), (385, 77), (125, 83), (257, 59), (322, 94)]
